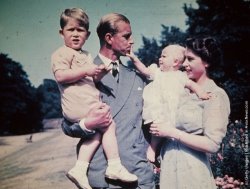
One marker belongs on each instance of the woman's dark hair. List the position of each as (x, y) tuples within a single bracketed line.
[(208, 49)]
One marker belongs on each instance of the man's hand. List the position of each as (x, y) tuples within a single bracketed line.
[(99, 117)]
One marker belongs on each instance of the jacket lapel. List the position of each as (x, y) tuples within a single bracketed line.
[(120, 91), (108, 80), (125, 85)]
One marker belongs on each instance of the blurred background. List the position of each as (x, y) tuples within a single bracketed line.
[(29, 96)]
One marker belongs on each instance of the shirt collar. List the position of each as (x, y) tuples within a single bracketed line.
[(107, 61)]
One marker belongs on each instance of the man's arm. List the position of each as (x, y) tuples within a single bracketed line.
[(98, 118)]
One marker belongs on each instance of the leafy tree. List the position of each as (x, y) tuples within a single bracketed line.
[(19, 108), (49, 97), (150, 52)]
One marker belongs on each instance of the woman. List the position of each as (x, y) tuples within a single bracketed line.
[(201, 125)]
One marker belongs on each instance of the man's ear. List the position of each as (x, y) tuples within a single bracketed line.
[(108, 38)]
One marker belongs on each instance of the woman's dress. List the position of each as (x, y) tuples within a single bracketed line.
[(183, 167)]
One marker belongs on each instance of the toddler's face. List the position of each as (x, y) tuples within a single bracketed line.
[(74, 35), (166, 61)]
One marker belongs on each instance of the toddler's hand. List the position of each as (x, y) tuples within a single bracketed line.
[(90, 69), (100, 72)]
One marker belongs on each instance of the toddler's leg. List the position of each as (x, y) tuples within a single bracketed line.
[(78, 174), (115, 169)]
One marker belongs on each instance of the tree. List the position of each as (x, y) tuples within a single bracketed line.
[(49, 96), (19, 108)]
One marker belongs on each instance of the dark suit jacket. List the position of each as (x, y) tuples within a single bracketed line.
[(125, 100)]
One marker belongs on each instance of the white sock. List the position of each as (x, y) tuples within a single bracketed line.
[(82, 165), (114, 163)]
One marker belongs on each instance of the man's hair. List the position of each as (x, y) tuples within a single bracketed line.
[(77, 14), (108, 24)]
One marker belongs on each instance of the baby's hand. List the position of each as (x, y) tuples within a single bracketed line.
[(131, 55), (205, 95)]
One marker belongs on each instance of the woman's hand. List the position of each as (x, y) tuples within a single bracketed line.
[(162, 129)]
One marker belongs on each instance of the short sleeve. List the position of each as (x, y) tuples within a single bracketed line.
[(60, 60), (215, 117)]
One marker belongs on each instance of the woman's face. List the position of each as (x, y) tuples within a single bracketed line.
[(195, 67)]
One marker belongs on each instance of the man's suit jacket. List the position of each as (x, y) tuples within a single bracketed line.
[(125, 101)]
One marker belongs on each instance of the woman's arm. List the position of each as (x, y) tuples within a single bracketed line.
[(200, 143), (215, 120)]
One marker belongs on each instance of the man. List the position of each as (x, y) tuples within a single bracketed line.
[(123, 93)]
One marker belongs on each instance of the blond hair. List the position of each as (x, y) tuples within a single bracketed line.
[(176, 51)]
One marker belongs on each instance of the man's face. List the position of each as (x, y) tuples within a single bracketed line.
[(122, 41)]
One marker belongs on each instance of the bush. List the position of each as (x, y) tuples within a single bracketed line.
[(229, 163)]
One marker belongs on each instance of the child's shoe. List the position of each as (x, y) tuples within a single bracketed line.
[(78, 178), (120, 173)]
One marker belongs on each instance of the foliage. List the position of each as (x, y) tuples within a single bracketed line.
[(230, 159), (150, 52), (19, 106), (49, 96)]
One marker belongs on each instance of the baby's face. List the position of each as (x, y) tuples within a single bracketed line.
[(166, 61)]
